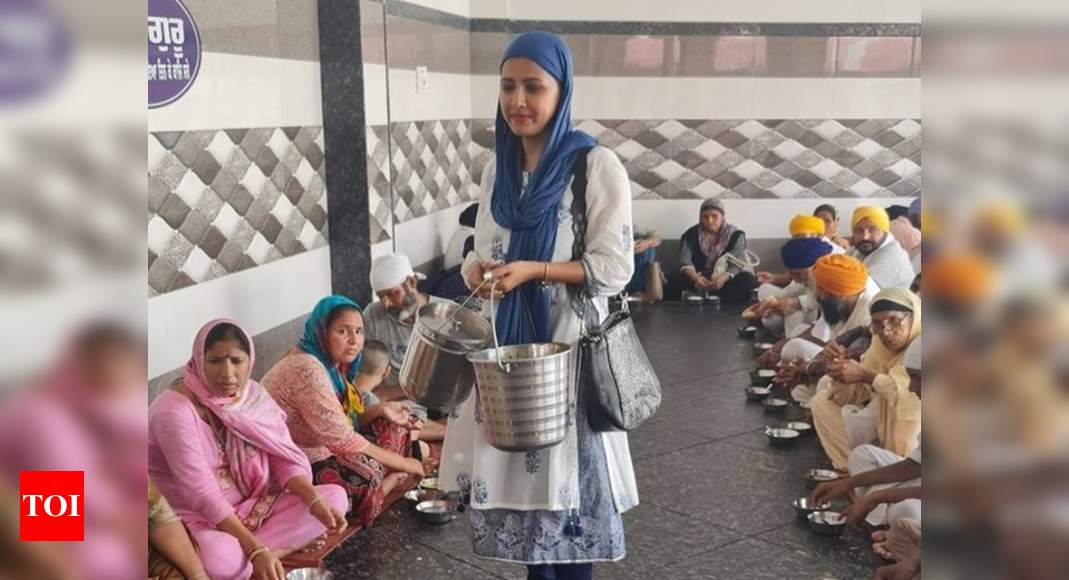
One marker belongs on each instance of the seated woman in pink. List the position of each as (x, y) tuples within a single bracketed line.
[(315, 385), (220, 452)]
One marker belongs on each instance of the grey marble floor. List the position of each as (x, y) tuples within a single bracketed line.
[(715, 498)]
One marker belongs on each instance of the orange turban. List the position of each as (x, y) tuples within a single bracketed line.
[(806, 225), (962, 278), (877, 215), (840, 275)]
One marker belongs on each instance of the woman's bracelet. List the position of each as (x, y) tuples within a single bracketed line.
[(545, 272), (318, 499), (253, 554)]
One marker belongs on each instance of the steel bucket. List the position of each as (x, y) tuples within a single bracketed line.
[(436, 372), (525, 393)]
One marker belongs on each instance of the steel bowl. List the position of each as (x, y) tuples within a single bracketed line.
[(712, 300), (760, 348), (747, 332), (694, 299), (309, 574), (762, 377), (827, 522), (801, 427), (757, 393), (421, 495), (781, 437), (775, 405), (815, 477), (437, 511), (802, 508)]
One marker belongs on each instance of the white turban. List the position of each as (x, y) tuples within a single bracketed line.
[(391, 271), (912, 360)]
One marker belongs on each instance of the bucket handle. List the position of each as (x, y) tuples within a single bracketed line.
[(507, 368)]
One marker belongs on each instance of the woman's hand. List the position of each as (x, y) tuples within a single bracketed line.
[(703, 283), (848, 371), (329, 516), (267, 566), (411, 466), (719, 281), (475, 276), (513, 275), (765, 277), (396, 413)]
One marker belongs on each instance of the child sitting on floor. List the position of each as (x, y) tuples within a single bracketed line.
[(373, 370)]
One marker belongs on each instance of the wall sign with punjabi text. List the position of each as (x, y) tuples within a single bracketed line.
[(174, 51)]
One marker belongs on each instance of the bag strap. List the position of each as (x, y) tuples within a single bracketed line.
[(579, 229)]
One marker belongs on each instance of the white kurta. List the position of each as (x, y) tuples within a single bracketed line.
[(889, 265), (511, 481)]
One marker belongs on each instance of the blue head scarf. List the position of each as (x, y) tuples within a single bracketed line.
[(523, 316), (314, 340), (799, 253)]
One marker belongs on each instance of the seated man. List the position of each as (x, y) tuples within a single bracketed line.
[(843, 294), (391, 319), (880, 478), (801, 226), (891, 414), (798, 255), (888, 264)]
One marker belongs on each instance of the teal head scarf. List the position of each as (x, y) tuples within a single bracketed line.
[(314, 340)]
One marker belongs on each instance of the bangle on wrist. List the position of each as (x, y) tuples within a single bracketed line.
[(251, 556), (313, 503), (545, 272)]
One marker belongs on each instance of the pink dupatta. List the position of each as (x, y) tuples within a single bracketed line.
[(255, 426)]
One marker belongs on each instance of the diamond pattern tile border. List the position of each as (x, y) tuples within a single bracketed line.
[(221, 201)]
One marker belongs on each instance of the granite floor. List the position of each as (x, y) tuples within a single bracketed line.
[(715, 498)]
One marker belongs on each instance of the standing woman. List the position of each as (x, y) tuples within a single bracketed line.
[(557, 510)]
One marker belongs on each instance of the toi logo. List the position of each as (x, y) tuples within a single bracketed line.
[(51, 506)]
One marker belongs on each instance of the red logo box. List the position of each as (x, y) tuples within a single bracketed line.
[(51, 506)]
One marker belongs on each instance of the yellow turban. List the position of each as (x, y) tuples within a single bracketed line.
[(840, 275), (806, 225), (877, 215)]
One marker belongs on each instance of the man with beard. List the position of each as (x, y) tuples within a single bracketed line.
[(799, 255), (888, 264), (843, 294), (392, 318)]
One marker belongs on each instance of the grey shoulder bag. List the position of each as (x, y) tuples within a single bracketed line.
[(623, 388)]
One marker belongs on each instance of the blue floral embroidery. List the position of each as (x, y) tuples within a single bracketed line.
[(534, 462), (510, 536), (548, 536), (464, 483), (479, 530), (479, 492)]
